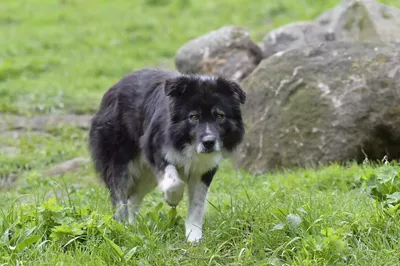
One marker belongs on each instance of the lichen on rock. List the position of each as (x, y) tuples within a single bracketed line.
[(320, 104)]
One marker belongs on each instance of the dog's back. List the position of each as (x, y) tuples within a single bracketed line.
[(123, 114)]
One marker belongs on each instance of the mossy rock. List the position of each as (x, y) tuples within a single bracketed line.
[(350, 20), (227, 51), (319, 104), (362, 20)]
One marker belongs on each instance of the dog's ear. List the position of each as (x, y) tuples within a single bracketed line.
[(175, 87), (235, 89)]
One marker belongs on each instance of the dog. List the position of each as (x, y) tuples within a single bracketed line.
[(161, 128)]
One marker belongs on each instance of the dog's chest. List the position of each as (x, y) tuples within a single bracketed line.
[(191, 163)]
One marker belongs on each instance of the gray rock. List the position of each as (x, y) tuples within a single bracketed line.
[(293, 36), (18, 133), (42, 123), (8, 180), (227, 51), (8, 150), (362, 20), (351, 20), (320, 104), (72, 165)]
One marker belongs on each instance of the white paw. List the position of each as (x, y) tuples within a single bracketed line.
[(172, 186), (174, 193), (121, 212), (193, 233)]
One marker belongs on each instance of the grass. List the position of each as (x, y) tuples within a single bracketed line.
[(58, 57), (299, 217)]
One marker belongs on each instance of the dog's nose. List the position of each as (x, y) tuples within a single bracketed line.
[(209, 142)]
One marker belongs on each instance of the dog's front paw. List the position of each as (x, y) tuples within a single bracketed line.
[(172, 186), (173, 194), (193, 234)]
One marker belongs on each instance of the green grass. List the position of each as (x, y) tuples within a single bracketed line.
[(299, 217), (60, 57)]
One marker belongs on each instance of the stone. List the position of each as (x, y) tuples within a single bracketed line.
[(293, 36), (18, 133), (8, 150), (8, 180), (362, 20), (227, 52), (351, 21), (69, 166), (42, 123), (333, 102)]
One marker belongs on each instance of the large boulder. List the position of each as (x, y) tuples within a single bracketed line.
[(351, 20), (227, 51), (362, 20), (337, 101), (293, 36)]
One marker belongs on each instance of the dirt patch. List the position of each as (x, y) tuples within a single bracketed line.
[(72, 165), (42, 123), (14, 127)]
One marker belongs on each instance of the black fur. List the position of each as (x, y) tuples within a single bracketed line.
[(149, 111), (207, 177)]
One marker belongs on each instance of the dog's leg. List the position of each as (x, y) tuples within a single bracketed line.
[(171, 185), (141, 188), (198, 190), (119, 202), (119, 183), (134, 204)]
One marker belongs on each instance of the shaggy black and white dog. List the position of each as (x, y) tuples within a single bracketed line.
[(162, 128)]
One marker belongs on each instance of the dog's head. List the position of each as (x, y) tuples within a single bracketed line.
[(205, 113)]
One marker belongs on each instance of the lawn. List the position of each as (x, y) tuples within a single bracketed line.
[(59, 57)]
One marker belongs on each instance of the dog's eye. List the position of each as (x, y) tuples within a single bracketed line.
[(194, 117), (220, 117)]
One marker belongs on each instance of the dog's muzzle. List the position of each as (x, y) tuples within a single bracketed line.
[(208, 144)]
